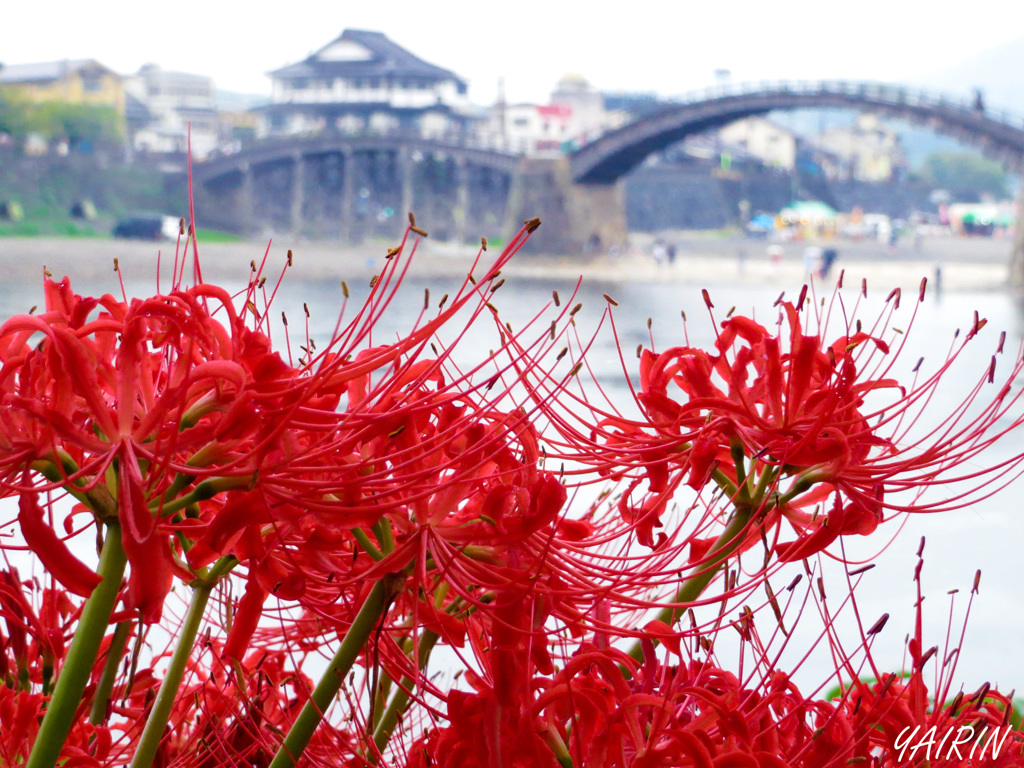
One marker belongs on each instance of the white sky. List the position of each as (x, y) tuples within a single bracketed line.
[(639, 45)]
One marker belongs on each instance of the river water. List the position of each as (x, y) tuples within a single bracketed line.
[(988, 535)]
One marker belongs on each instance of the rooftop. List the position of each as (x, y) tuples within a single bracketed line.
[(47, 71), (363, 53)]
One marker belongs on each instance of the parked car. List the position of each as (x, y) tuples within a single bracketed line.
[(147, 227)]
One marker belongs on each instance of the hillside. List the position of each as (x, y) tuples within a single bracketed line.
[(996, 71)]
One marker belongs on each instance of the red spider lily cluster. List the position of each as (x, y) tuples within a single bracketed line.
[(379, 554)]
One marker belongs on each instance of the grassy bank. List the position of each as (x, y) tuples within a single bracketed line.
[(99, 228)]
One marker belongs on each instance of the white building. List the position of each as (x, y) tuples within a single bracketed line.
[(167, 104), (772, 144), (868, 150), (363, 82), (532, 129), (588, 117), (575, 116)]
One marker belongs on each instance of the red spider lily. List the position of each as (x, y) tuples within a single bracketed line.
[(785, 423), (20, 711), (901, 719), (662, 716), (697, 715), (217, 723), (39, 622), (378, 492), (171, 397), (140, 371)]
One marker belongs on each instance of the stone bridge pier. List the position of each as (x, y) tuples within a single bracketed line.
[(575, 218)]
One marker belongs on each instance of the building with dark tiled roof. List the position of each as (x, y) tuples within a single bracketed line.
[(364, 82)]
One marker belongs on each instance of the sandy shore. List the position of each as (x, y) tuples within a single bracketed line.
[(964, 264)]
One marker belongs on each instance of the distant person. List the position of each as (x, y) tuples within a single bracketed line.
[(670, 251), (659, 252), (812, 259), (775, 255), (741, 260), (979, 101), (828, 258)]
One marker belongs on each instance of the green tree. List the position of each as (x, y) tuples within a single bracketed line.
[(98, 126), (965, 174), (14, 117), (81, 124)]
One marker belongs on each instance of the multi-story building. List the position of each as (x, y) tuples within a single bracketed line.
[(363, 82), (867, 150), (575, 115), (175, 102), (532, 129), (71, 81), (772, 144)]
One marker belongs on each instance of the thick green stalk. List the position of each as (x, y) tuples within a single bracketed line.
[(365, 622), (156, 723), (400, 699), (85, 645), (106, 683), (694, 586), (558, 748)]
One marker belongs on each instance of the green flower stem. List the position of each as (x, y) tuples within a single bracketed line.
[(557, 747), (98, 498), (364, 624), (98, 714), (85, 645), (693, 587), (768, 476), (156, 723), (207, 489), (400, 699), (368, 546), (386, 539), (802, 484)]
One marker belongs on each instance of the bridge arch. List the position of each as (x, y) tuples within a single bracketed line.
[(318, 184), (285, 150), (999, 136)]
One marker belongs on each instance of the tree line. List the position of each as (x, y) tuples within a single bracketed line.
[(82, 126)]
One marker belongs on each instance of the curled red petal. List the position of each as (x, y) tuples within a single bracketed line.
[(246, 618), (72, 573)]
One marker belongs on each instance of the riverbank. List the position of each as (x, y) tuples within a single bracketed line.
[(964, 264)]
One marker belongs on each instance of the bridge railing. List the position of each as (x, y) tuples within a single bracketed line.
[(894, 95), (472, 140)]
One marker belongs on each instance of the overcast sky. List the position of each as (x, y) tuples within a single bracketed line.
[(639, 45)]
